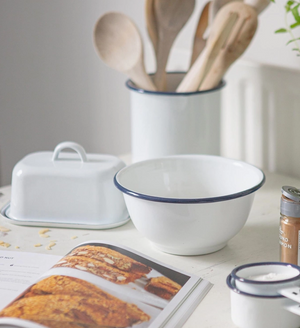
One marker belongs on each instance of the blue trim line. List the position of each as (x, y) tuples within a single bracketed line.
[(236, 277), (234, 289), (189, 200), (130, 85)]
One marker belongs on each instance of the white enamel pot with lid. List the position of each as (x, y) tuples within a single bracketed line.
[(265, 295), (67, 190)]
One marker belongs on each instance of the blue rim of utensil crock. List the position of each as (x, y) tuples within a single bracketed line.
[(130, 85), (188, 200), (231, 286), (257, 282)]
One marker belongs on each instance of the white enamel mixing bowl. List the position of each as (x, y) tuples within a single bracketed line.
[(189, 204)]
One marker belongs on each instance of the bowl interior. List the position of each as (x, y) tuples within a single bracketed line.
[(190, 177), (268, 273)]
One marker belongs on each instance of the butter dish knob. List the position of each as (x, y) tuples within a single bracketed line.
[(71, 145)]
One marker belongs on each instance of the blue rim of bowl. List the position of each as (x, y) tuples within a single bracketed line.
[(231, 286), (256, 282), (190, 200), (130, 85)]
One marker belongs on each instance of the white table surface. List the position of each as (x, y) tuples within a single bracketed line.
[(257, 241)]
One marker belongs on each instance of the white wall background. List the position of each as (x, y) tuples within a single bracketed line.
[(54, 88)]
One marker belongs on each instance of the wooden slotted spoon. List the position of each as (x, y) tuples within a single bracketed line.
[(221, 29), (238, 42), (259, 5), (214, 8)]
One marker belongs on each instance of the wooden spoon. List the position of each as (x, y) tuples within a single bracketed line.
[(221, 29), (239, 40), (199, 42), (119, 45), (151, 23), (171, 15), (259, 5)]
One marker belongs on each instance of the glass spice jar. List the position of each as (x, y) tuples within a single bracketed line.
[(289, 228)]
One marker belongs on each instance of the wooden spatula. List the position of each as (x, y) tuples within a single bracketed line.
[(221, 29), (238, 42)]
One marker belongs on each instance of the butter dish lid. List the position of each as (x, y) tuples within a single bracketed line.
[(60, 159), (67, 188)]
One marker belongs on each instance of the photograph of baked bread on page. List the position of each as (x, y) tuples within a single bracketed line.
[(99, 285)]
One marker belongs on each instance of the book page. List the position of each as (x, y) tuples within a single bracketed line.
[(19, 270), (101, 284)]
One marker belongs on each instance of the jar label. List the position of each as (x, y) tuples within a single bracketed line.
[(284, 241), (289, 240)]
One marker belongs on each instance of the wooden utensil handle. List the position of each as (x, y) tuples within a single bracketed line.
[(162, 54), (199, 42)]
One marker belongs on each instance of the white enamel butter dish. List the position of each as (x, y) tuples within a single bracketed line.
[(67, 190)]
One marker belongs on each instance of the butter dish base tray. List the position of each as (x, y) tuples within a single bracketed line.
[(4, 213)]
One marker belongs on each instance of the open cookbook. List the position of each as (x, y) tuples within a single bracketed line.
[(96, 285)]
